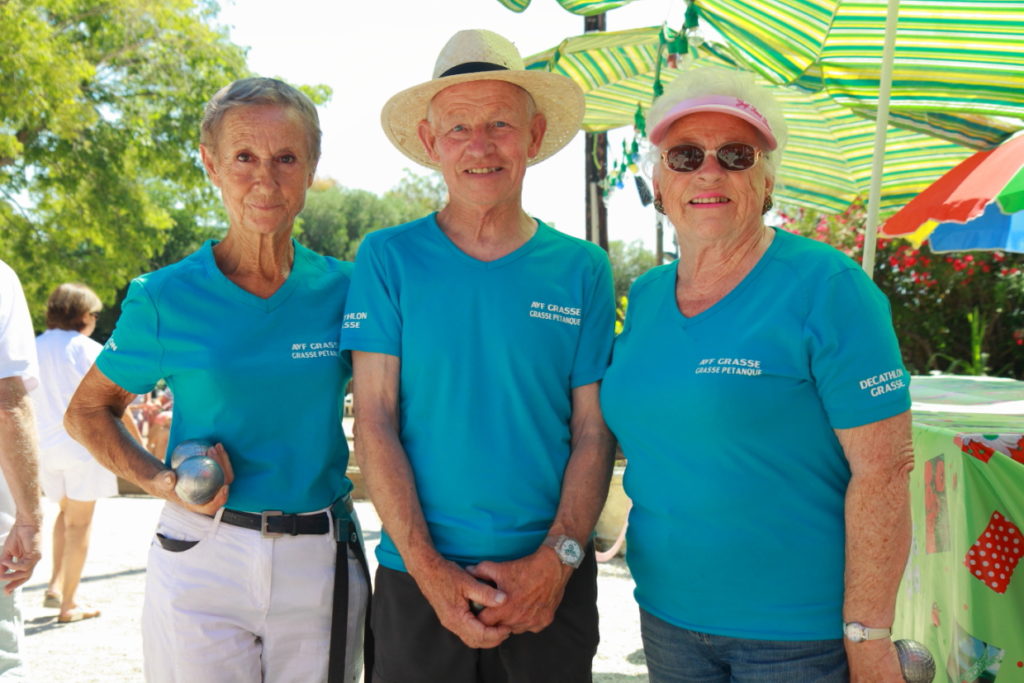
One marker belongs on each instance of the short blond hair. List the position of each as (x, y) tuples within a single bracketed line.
[(68, 304)]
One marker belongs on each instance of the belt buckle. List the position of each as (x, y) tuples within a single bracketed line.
[(264, 519)]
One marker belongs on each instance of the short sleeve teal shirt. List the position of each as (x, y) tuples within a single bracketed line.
[(263, 376), (726, 419), (490, 353)]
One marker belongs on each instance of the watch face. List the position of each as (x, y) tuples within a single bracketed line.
[(570, 550), (855, 633)]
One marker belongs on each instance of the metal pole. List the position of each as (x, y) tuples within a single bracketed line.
[(881, 125), (659, 247), (596, 152)]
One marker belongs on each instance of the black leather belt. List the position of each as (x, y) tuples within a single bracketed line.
[(273, 523)]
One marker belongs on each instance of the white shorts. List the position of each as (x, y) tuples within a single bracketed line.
[(240, 607), (64, 476)]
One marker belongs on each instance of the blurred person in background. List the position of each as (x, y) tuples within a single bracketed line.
[(20, 515), (70, 476)]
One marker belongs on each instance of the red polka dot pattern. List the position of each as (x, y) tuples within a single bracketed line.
[(994, 556)]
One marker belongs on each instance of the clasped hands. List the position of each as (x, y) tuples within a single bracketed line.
[(524, 596)]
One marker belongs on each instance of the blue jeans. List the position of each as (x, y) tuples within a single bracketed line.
[(678, 655)]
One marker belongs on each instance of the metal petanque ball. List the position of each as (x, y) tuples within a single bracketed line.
[(916, 661), (199, 479), (189, 448)]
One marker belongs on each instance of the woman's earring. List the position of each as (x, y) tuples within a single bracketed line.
[(658, 206), (767, 205)]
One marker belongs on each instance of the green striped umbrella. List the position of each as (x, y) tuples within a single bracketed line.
[(586, 8), (827, 162), (958, 69)]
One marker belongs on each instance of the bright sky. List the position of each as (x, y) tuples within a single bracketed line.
[(368, 51)]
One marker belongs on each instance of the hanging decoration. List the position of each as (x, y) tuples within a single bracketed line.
[(673, 47)]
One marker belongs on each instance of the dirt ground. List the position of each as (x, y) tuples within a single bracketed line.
[(109, 648)]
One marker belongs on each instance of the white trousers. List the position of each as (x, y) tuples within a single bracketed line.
[(239, 607), (12, 638)]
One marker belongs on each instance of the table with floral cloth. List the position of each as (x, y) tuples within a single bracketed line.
[(963, 590)]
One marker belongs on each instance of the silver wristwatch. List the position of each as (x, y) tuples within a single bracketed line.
[(856, 632), (567, 549)]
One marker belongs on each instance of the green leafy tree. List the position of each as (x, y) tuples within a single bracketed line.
[(629, 261), (336, 218), (956, 313), (100, 105), (417, 195)]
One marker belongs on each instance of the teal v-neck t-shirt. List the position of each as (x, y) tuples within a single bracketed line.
[(263, 376), (726, 419), (490, 353)]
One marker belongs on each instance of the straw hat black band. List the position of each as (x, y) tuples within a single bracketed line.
[(480, 55), (472, 68)]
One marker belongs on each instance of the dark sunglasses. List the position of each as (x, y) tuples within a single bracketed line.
[(732, 156)]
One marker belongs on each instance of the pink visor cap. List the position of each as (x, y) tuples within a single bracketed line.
[(725, 104)]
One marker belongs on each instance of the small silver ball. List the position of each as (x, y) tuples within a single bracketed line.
[(916, 661), (189, 448), (199, 479)]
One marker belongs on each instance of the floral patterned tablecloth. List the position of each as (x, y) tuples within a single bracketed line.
[(963, 591)]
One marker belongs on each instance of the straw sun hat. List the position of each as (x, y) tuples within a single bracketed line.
[(479, 55)]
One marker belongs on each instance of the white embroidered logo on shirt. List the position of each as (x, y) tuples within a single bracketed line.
[(568, 315), (325, 349), (884, 383), (728, 366), (352, 320)]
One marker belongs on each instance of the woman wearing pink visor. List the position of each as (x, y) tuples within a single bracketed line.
[(758, 393)]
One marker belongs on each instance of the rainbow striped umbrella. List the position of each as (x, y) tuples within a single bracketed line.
[(958, 68), (827, 163), (978, 204)]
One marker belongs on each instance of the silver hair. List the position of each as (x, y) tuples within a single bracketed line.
[(713, 80), (257, 91)]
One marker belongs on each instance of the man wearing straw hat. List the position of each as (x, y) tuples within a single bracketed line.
[(479, 337)]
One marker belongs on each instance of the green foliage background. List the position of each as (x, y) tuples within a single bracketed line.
[(100, 105), (958, 313), (336, 218), (100, 177)]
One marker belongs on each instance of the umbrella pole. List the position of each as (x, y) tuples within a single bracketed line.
[(596, 165), (881, 127)]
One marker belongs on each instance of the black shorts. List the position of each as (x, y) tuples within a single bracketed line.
[(412, 646)]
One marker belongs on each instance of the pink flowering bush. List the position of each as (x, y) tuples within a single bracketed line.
[(958, 312)]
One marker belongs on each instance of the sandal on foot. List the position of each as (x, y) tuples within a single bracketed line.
[(51, 600), (78, 614)]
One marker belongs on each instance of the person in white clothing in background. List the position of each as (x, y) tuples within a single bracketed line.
[(70, 476)]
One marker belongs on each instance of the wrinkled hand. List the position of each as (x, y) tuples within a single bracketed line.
[(20, 555), (450, 589), (875, 661), (163, 484), (534, 585)]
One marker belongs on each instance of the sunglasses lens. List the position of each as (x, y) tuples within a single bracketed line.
[(736, 156), (684, 158)]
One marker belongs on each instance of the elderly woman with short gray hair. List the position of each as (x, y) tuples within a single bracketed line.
[(767, 466), (245, 333)]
